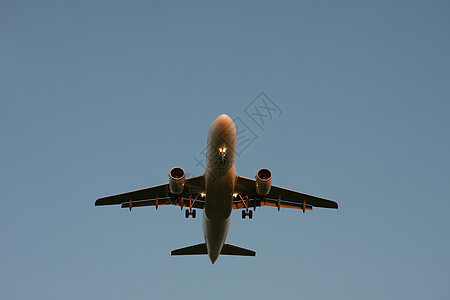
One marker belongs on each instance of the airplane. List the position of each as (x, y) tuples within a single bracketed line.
[(218, 192)]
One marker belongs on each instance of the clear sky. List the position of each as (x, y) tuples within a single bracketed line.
[(104, 97)]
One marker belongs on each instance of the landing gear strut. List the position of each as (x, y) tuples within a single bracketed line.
[(246, 212), (189, 211)]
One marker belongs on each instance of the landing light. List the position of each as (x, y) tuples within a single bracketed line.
[(203, 194), (235, 195)]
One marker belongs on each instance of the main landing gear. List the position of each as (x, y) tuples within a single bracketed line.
[(246, 213), (189, 211), (192, 213)]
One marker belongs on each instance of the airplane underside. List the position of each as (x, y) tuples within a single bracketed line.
[(218, 192)]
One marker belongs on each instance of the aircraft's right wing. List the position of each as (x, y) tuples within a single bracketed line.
[(158, 195)]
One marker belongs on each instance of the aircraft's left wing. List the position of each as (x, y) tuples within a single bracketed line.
[(277, 197), (158, 195)]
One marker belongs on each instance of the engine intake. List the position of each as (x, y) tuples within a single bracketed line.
[(176, 180), (263, 182)]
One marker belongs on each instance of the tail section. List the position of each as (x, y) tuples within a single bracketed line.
[(201, 249)]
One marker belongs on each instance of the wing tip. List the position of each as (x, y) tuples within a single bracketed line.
[(100, 202)]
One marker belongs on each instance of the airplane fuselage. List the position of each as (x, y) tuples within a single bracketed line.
[(220, 178)]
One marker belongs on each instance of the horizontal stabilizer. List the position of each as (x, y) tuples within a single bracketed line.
[(201, 249), (234, 250), (191, 250)]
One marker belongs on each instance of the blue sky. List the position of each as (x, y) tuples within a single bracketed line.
[(103, 98)]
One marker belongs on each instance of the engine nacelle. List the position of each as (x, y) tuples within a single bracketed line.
[(176, 180), (263, 181)]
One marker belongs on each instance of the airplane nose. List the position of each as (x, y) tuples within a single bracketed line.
[(223, 122), (223, 132), (223, 119)]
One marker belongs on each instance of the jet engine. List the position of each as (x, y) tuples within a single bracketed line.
[(263, 181), (176, 180)]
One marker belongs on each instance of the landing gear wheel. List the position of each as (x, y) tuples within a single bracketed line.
[(250, 214), (186, 213), (243, 214), (194, 213)]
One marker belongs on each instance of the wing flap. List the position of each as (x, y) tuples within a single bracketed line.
[(164, 201), (271, 203), (142, 203)]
